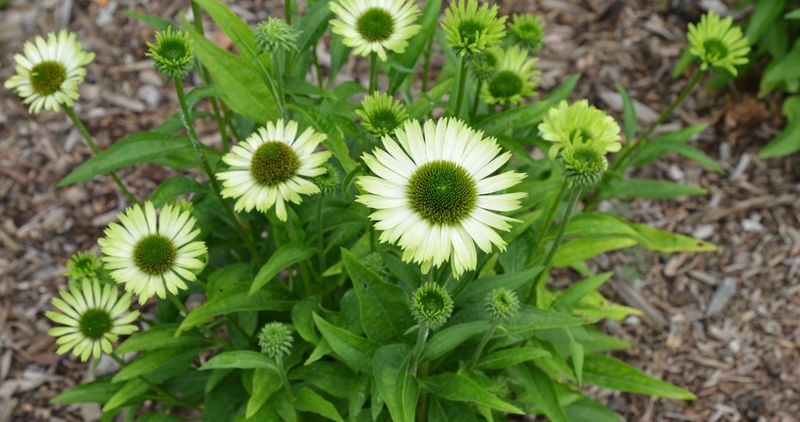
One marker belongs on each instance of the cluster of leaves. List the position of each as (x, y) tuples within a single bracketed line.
[(356, 352)]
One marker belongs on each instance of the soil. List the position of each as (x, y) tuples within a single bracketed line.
[(723, 324)]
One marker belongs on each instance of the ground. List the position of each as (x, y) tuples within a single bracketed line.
[(723, 324)]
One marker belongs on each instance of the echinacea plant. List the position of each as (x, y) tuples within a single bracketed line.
[(378, 252)]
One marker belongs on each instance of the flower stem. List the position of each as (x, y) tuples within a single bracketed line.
[(574, 195), (165, 395), (484, 341), (462, 83), (373, 73), (476, 100), (89, 140), (187, 123), (422, 337), (320, 236), (548, 219), (178, 304), (317, 67), (643, 139), (426, 67), (284, 378)]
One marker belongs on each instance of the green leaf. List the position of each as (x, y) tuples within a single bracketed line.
[(590, 410), (582, 249), (152, 362), (451, 337), (684, 61), (235, 299), (393, 379), (172, 188), (576, 353), (383, 307), (286, 256), (239, 359), (787, 142), (130, 392), (313, 25), (265, 382), (456, 387), (307, 400), (628, 114), (98, 391), (540, 390), (238, 31), (784, 69), (531, 318), (607, 372), (511, 357), (416, 45), (644, 188), (659, 240), (477, 290), (567, 299), (354, 350), (794, 14), (156, 22), (242, 86), (765, 15), (160, 336), (139, 148)]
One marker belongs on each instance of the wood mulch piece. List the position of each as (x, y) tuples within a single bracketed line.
[(723, 324)]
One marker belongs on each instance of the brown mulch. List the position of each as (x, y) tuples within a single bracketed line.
[(724, 324)]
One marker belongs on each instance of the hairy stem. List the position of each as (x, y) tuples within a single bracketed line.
[(373, 73), (284, 378), (462, 83), (93, 146), (476, 100), (484, 341), (426, 67)]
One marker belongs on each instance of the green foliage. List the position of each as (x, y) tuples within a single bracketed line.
[(351, 328)]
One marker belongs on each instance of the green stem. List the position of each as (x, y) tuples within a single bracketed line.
[(462, 83), (284, 378), (178, 304), (287, 10), (373, 73), (548, 219), (426, 67), (166, 395), (187, 123), (320, 236), (574, 195), (476, 100), (206, 77), (631, 147), (422, 337), (317, 67), (484, 341), (89, 140)]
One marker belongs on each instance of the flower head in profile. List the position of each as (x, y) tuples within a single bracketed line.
[(381, 114), (83, 266), (152, 254), (92, 316), (374, 26), (273, 166), (275, 340), (471, 27), (274, 34), (328, 182), (582, 135), (527, 30), (49, 72), (502, 304), (172, 52), (431, 305), (515, 78), (718, 43), (435, 195)]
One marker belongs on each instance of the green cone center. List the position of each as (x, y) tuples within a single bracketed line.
[(154, 254), (172, 49), (442, 192), (505, 84), (95, 323), (47, 77), (273, 163), (470, 31), (715, 49), (432, 303), (375, 25), (384, 121)]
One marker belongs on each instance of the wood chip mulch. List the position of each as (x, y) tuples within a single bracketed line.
[(724, 324)]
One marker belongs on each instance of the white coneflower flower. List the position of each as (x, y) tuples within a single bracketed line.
[(272, 166), (50, 71), (516, 78), (152, 254), (374, 26), (435, 195), (92, 318)]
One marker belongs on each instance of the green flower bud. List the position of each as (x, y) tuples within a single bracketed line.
[(583, 165), (431, 305), (83, 266), (527, 30), (172, 52), (502, 304), (328, 182), (381, 114), (275, 340), (276, 35), (472, 27)]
